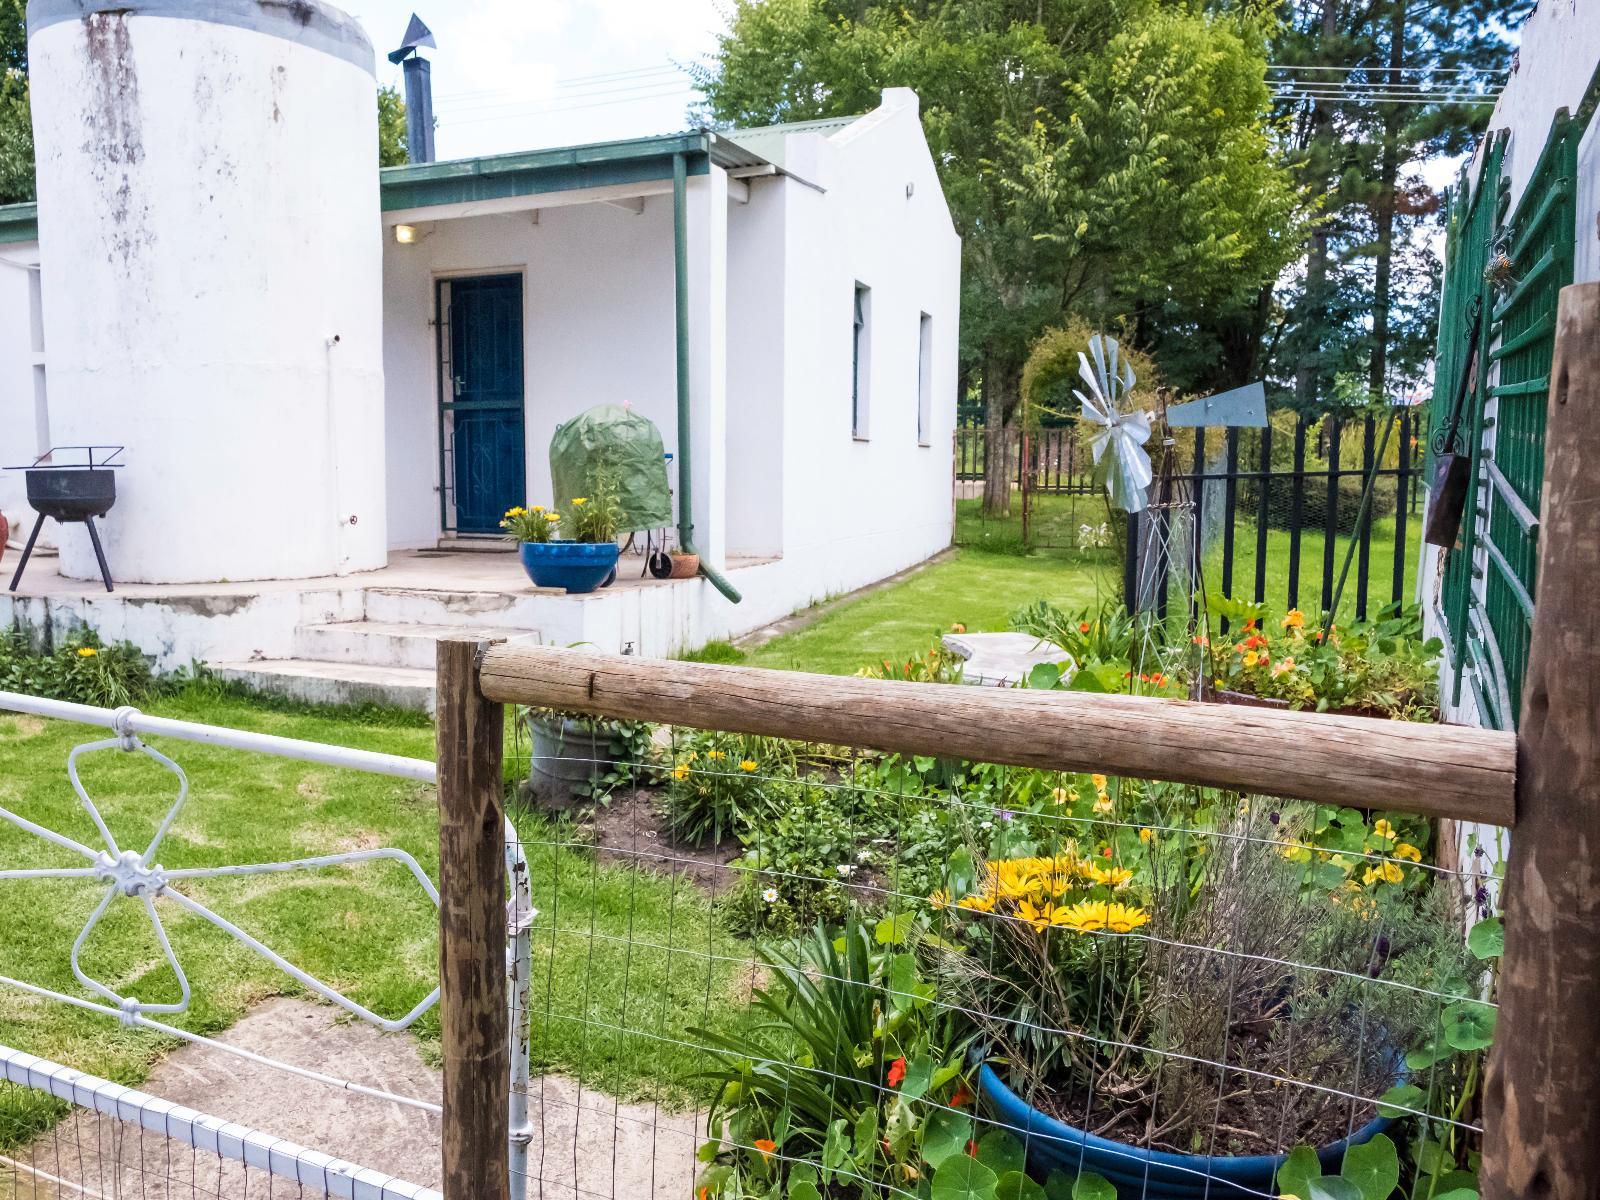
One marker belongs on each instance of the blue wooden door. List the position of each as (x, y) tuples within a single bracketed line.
[(483, 401)]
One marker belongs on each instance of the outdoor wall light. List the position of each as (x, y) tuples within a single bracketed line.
[(406, 235)]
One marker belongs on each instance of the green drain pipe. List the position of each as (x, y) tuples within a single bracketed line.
[(680, 280)]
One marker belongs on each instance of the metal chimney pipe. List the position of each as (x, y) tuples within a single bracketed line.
[(419, 109)]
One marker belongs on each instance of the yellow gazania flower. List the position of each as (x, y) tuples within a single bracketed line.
[(1125, 918), (1146, 834), (1099, 782), (515, 511), (747, 765), (681, 771), (538, 508), (1039, 918), (1294, 619), (716, 755), (87, 652), (940, 899), (1407, 850), (550, 516), (976, 903), (1102, 803), (1087, 915), (1381, 828), (579, 501), (1109, 876)]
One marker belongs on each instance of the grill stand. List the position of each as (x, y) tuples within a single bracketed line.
[(94, 538)]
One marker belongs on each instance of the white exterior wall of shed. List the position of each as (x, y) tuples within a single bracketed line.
[(202, 248), (22, 418)]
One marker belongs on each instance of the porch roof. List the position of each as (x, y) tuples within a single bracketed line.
[(562, 169), (19, 223)]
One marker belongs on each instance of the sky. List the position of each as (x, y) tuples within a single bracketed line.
[(523, 74)]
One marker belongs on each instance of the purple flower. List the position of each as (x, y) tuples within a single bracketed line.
[(1005, 814)]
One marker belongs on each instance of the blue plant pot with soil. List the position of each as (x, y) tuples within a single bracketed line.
[(1146, 1174), (575, 566)]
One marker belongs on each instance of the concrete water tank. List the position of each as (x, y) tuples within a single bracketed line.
[(212, 267)]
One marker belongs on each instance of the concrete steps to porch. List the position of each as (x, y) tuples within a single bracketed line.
[(388, 662)]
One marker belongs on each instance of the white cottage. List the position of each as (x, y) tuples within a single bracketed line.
[(330, 381)]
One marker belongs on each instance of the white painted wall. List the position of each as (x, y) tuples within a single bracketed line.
[(208, 222), (857, 510), (758, 277), (598, 320), (23, 435)]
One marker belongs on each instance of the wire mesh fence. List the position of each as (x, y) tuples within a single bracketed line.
[(778, 967)]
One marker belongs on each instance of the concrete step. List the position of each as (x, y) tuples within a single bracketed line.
[(477, 609), (321, 682), (389, 643)]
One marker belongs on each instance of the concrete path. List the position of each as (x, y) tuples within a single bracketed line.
[(584, 1144)]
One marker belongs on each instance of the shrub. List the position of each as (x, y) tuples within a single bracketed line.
[(723, 785), (82, 670)]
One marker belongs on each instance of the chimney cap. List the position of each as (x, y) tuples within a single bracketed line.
[(417, 35)]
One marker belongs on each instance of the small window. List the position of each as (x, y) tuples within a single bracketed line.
[(924, 379), (861, 362)]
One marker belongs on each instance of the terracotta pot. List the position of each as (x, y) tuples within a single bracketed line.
[(685, 566)]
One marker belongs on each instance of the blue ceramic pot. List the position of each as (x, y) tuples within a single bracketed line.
[(1147, 1174), (576, 566)]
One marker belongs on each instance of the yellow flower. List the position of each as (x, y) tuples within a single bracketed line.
[(550, 516), (747, 765), (1099, 782), (716, 755), (1102, 803), (1109, 876), (538, 508), (976, 903), (1385, 873), (1061, 796), (1039, 918), (681, 771), (87, 652), (940, 899), (579, 501), (1407, 850), (1146, 834), (1125, 918), (1251, 658), (1381, 828), (516, 511), (1294, 619)]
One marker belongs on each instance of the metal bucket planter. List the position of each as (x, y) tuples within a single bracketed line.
[(575, 566), (567, 758), (1146, 1174)]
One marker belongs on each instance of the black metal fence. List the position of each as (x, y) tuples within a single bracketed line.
[(1275, 511)]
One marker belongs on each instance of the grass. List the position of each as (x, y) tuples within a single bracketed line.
[(977, 589), (606, 939)]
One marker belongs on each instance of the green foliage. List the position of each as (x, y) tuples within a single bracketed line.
[(934, 665), (715, 652), (1370, 1171), (16, 121), (392, 150), (82, 669), (854, 1072), (723, 785)]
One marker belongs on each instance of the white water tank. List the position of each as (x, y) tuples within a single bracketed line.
[(212, 264)]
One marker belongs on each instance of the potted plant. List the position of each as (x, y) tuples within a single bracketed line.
[(1109, 972), (575, 759), (585, 561)]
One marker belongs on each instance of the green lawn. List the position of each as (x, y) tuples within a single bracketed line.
[(977, 589), (368, 929)]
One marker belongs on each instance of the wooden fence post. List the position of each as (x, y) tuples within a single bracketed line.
[(472, 931), (1541, 1123)]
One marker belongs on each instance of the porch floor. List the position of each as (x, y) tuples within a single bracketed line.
[(454, 571)]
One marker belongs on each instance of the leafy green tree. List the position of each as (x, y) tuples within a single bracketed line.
[(16, 122), (1100, 157), (391, 128)]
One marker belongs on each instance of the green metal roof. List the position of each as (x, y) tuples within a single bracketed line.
[(566, 168), (19, 223)]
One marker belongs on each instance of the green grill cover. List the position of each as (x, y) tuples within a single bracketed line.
[(632, 445)]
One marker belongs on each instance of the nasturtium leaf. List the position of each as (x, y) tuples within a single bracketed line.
[(1457, 1194), (947, 1132), (894, 929), (866, 1134), (1014, 1185), (1090, 1186), (919, 1075), (1001, 1152), (1058, 1186), (1426, 1056), (903, 981), (1399, 1098), (1332, 1187), (1431, 1157), (803, 1191), (1469, 1025), (708, 1152), (1044, 676), (962, 1177), (1488, 938), (801, 1175), (1374, 1167), (1297, 1172), (1456, 1181), (836, 1148)]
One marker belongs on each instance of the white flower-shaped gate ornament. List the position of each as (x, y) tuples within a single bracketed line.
[(138, 876)]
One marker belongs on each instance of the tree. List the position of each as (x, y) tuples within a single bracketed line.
[(16, 121), (1065, 141), (392, 150)]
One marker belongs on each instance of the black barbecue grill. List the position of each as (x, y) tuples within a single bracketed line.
[(71, 491)]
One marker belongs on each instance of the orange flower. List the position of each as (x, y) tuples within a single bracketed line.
[(961, 1098), (972, 1149), (705, 1193), (897, 1071), (1083, 627), (766, 1146)]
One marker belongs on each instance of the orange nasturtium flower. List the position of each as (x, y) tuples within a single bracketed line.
[(766, 1146), (897, 1071)]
